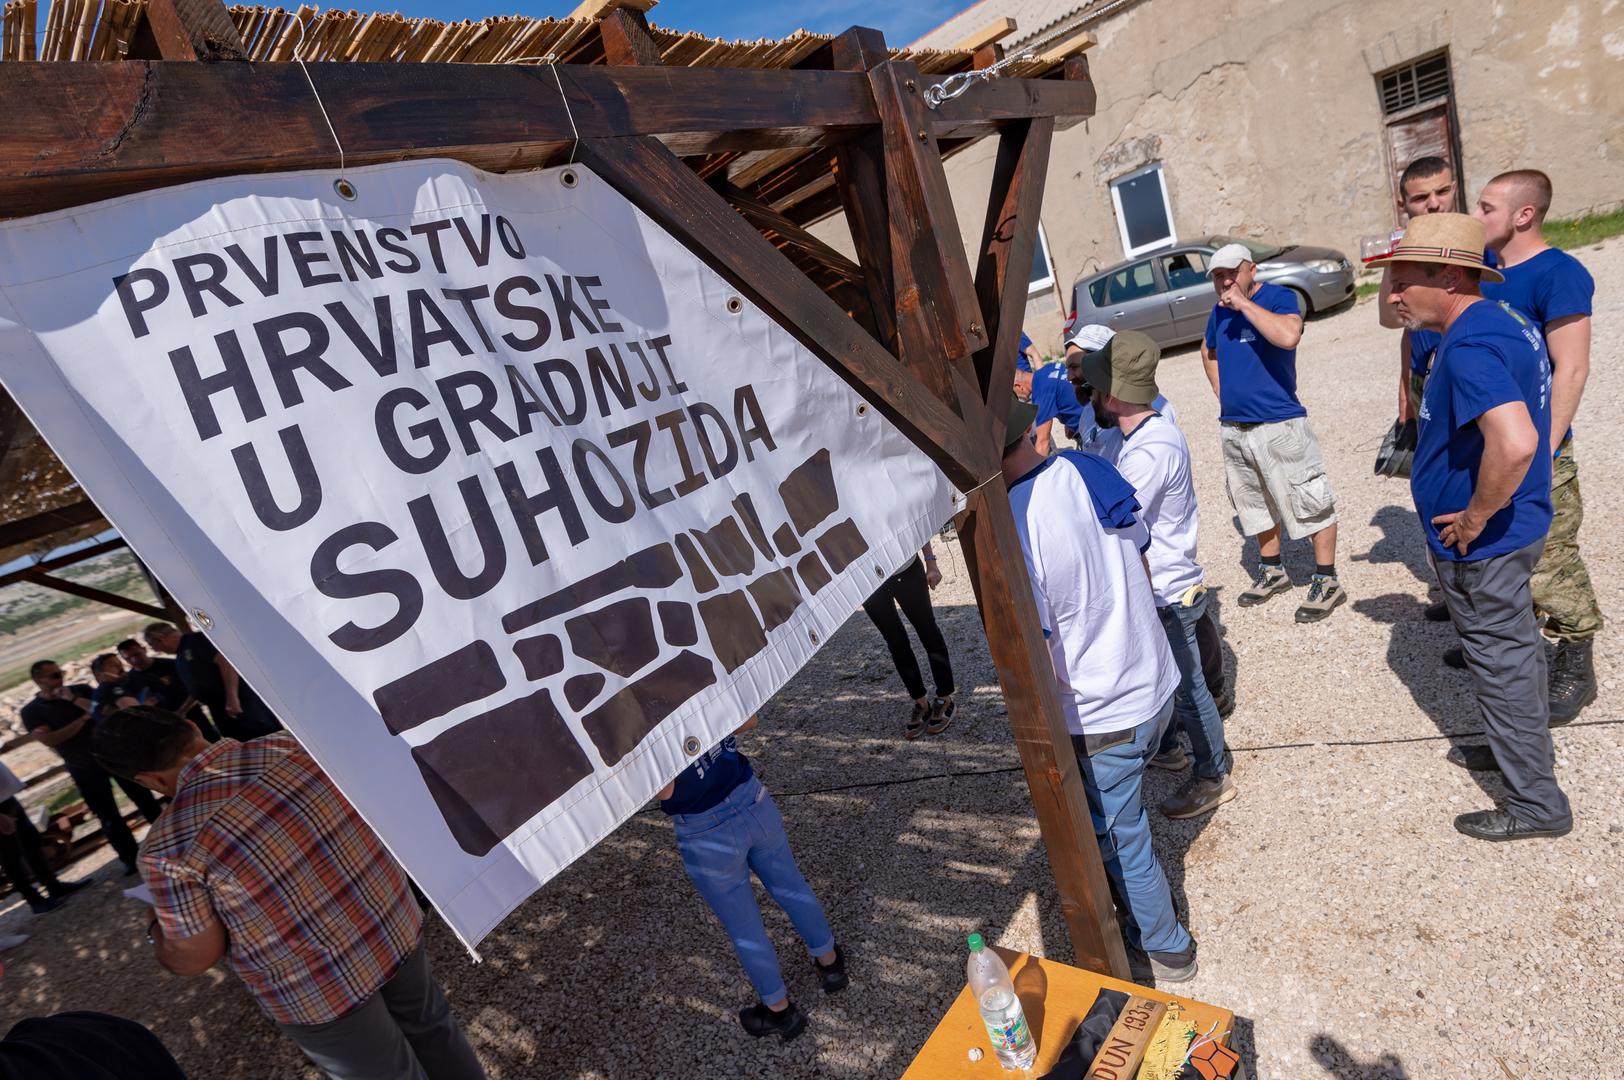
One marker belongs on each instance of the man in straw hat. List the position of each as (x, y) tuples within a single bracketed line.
[(1482, 486), (1155, 459), (1082, 538), (1272, 461)]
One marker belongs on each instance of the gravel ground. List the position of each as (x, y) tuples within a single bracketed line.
[(1351, 929)]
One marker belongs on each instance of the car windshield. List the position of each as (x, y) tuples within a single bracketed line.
[(1259, 250)]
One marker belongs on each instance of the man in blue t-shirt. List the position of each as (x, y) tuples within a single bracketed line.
[(1272, 461), (1553, 289), (727, 825), (1051, 393), (1482, 487), (1027, 359)]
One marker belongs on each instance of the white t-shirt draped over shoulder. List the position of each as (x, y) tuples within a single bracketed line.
[(1155, 459), (1094, 602)]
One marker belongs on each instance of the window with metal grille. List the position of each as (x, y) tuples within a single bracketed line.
[(1411, 85)]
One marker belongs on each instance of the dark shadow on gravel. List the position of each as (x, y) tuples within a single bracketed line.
[(1401, 542), (1415, 653), (1340, 1062)]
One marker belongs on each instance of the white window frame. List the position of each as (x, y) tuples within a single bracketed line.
[(1046, 284), (1122, 222)]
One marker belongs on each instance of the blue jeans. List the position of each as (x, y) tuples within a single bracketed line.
[(1193, 708), (1113, 779), (720, 847)]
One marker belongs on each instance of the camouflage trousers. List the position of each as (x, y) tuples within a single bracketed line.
[(1563, 595)]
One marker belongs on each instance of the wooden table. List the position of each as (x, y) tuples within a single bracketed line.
[(1055, 998)]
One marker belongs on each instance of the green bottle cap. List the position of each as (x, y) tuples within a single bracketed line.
[(976, 943)]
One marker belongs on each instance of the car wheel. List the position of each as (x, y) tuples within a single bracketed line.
[(1304, 308)]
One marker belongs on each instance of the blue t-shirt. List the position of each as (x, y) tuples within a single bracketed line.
[(1021, 362), (1552, 285), (1423, 345), (710, 779), (1054, 396), (1491, 356), (1257, 381)]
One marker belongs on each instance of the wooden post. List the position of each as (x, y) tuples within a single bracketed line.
[(185, 30)]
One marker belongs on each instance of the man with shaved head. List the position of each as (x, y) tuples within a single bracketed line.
[(1554, 290)]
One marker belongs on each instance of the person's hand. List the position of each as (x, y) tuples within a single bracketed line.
[(1231, 297), (233, 707), (933, 576), (1403, 405), (1458, 530), (8, 825)]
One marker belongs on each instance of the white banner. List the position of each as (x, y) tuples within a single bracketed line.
[(505, 503)]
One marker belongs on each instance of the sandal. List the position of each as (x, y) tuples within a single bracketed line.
[(941, 715), (916, 723)]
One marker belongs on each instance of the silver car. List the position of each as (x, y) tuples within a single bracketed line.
[(1168, 296)]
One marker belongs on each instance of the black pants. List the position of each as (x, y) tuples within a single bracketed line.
[(907, 590), (257, 718), (96, 785), (1209, 640), (24, 845)]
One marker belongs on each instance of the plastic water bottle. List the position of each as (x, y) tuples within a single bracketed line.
[(1000, 1009)]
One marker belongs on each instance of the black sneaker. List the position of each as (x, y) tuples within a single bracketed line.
[(1438, 612), (758, 1020), (67, 888), (1455, 658), (833, 976), (131, 869), (941, 715), (45, 905)]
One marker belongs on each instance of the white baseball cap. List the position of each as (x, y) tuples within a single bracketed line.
[(1091, 338), (1229, 257)]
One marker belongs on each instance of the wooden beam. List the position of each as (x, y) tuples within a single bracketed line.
[(651, 177), (91, 130), (63, 560), (1068, 46), (938, 318), (626, 39), (593, 9), (859, 183), (177, 613), (185, 30), (997, 30), (1008, 240), (39, 526), (772, 223), (100, 596)]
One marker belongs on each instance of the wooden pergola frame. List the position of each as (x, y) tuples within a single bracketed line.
[(927, 340)]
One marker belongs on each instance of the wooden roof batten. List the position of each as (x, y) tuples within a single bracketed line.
[(733, 148)]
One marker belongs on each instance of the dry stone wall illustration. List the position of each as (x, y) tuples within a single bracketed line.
[(493, 772)]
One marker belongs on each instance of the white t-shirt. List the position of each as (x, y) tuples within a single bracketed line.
[(1155, 459), (1095, 605), (1107, 441)]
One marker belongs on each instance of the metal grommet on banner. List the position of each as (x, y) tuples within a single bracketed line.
[(879, 572), (568, 178), (862, 409), (813, 635), (734, 305), (202, 618), (691, 745), (345, 189)]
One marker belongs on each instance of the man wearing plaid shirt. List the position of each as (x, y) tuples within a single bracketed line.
[(259, 859)]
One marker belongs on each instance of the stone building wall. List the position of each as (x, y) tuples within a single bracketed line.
[(1266, 119)]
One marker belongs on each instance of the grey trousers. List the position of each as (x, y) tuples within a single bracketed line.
[(1489, 601), (404, 1031)]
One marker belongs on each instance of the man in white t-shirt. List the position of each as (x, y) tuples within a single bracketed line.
[(1083, 543), (1155, 459), (1095, 437)]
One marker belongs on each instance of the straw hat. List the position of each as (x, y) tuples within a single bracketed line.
[(1446, 239)]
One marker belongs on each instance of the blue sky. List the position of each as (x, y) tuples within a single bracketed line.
[(900, 20)]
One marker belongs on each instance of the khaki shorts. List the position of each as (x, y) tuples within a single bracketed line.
[(1276, 476)]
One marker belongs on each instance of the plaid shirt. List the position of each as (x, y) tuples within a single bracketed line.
[(318, 915)]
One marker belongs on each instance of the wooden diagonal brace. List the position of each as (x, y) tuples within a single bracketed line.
[(659, 184)]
